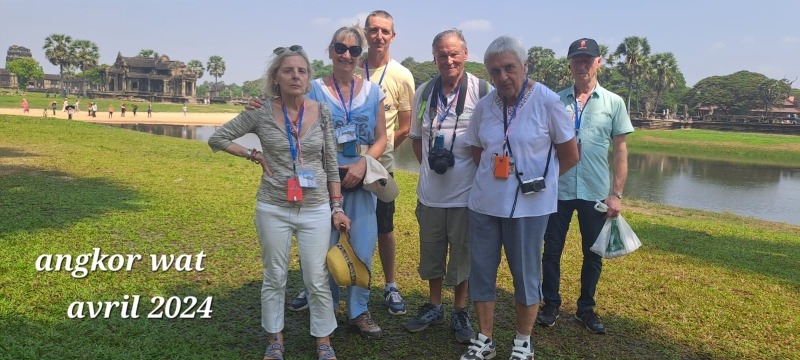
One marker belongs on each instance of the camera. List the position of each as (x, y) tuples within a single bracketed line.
[(441, 159), (532, 185)]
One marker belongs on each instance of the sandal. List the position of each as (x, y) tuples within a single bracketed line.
[(328, 354), (271, 351)]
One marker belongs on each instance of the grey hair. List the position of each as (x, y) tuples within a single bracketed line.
[(379, 13), (506, 44), (452, 32), (272, 90), (355, 31)]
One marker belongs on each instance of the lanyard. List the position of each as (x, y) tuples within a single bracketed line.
[(366, 69), (507, 124), (294, 129), (442, 99), (579, 114), (346, 109)]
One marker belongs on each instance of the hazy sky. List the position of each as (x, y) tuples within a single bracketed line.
[(708, 37)]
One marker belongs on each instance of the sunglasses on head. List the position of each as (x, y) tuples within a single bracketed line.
[(340, 49), (293, 48)]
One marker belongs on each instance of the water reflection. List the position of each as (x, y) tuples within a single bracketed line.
[(760, 191)]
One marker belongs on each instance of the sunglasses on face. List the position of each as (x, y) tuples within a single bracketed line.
[(340, 49), (281, 50)]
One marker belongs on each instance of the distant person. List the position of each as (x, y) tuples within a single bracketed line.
[(110, 111), (77, 106), (135, 107), (64, 105), (53, 105), (70, 111), (25, 106), (794, 118), (94, 109), (184, 110), (123, 108), (603, 116), (149, 110)]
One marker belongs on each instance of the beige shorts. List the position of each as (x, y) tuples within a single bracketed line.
[(438, 229)]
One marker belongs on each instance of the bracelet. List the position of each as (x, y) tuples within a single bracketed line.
[(336, 197), (336, 210), (336, 204)]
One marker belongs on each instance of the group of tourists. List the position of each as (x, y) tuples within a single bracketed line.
[(503, 165)]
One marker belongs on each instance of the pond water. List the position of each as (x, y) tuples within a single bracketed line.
[(760, 191)]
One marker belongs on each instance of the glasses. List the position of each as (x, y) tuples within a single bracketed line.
[(340, 49), (293, 48)]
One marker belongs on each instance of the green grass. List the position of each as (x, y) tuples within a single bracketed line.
[(38, 101), (703, 285), (772, 149)]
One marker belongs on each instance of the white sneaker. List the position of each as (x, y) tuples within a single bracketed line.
[(521, 351), (482, 348)]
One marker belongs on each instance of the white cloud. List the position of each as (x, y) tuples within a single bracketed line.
[(321, 21), (556, 40), (718, 45), (749, 39), (355, 19), (790, 39), (475, 25)]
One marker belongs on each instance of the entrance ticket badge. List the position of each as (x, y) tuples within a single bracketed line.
[(294, 192), (350, 148), (438, 142), (306, 178), (345, 134), (511, 165), (501, 166)]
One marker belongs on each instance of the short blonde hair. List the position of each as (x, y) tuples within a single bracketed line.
[(273, 90), (355, 31)]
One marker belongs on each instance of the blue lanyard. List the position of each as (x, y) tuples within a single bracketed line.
[(507, 124), (366, 69), (346, 109), (442, 99), (292, 148), (579, 114)]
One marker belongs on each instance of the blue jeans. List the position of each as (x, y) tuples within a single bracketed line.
[(591, 222)]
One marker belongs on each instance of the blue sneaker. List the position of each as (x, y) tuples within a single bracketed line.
[(462, 327), (428, 314), (394, 301), (299, 303)]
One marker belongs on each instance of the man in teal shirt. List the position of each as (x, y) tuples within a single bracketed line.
[(600, 118)]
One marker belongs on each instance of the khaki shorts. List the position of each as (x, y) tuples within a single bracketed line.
[(438, 228)]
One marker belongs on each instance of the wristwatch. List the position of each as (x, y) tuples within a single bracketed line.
[(618, 195)]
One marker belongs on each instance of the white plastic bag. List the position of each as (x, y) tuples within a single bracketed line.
[(616, 239)]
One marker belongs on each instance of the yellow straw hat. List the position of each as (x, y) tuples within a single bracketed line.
[(345, 267)]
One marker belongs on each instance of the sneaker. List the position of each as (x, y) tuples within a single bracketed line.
[(428, 314), (366, 325), (462, 327), (394, 301), (521, 351), (481, 348), (592, 323), (547, 315), (299, 303)]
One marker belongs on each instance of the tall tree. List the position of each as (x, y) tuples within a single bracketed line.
[(148, 53), (25, 69), (772, 93), (632, 54), (196, 66), (736, 93), (87, 54), (58, 50), (536, 55), (216, 68), (664, 69)]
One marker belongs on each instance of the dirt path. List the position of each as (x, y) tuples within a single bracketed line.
[(163, 118)]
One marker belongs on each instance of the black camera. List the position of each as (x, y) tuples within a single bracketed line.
[(441, 159), (532, 185)]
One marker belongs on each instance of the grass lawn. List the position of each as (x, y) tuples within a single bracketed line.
[(703, 285), (38, 101), (772, 149)]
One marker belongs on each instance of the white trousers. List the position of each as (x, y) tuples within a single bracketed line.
[(312, 227)]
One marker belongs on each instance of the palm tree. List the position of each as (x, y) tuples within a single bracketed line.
[(148, 53), (87, 54), (664, 67), (196, 67), (632, 54), (216, 68), (58, 50)]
